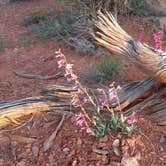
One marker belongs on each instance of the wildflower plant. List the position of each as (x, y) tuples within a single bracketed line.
[(102, 118), (157, 37)]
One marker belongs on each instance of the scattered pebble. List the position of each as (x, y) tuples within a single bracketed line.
[(129, 161), (115, 164), (100, 151), (35, 150), (21, 163), (66, 150), (74, 163), (1, 161), (104, 139), (138, 156), (79, 141), (162, 139), (116, 147), (15, 50)]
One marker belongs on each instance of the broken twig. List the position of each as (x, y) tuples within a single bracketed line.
[(48, 143), (38, 76)]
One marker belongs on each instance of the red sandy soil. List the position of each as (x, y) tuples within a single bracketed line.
[(39, 58)]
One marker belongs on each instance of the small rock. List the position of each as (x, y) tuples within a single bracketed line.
[(116, 143), (35, 150), (162, 139), (66, 150), (114, 164), (74, 163), (116, 147), (129, 161), (15, 50), (21, 163), (100, 151), (79, 141), (1, 162), (138, 156), (104, 139), (72, 153)]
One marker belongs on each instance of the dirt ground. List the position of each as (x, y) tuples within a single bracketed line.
[(71, 147)]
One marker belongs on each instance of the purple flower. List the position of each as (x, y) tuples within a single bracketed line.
[(74, 76), (80, 121), (74, 101), (111, 94), (69, 66), (102, 102), (69, 78), (131, 119), (118, 87), (88, 130), (59, 54), (85, 100), (157, 39), (61, 63), (66, 73)]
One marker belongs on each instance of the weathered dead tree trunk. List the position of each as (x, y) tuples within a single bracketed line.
[(57, 98)]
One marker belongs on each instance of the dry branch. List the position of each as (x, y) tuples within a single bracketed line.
[(16, 138), (38, 76), (134, 97), (12, 110), (49, 142)]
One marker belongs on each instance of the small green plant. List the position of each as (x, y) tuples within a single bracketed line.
[(34, 18), (138, 7), (104, 68), (102, 103), (26, 40), (50, 28), (45, 29), (3, 44), (117, 123)]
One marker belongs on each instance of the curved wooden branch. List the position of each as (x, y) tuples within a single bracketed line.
[(38, 76), (57, 98), (110, 35)]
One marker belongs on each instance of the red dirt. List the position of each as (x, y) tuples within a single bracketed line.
[(40, 58)]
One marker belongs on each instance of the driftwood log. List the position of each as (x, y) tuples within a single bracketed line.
[(57, 98)]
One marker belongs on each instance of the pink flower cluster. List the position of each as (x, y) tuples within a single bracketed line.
[(68, 74), (131, 120), (112, 93), (80, 121), (157, 39), (61, 60), (102, 102)]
